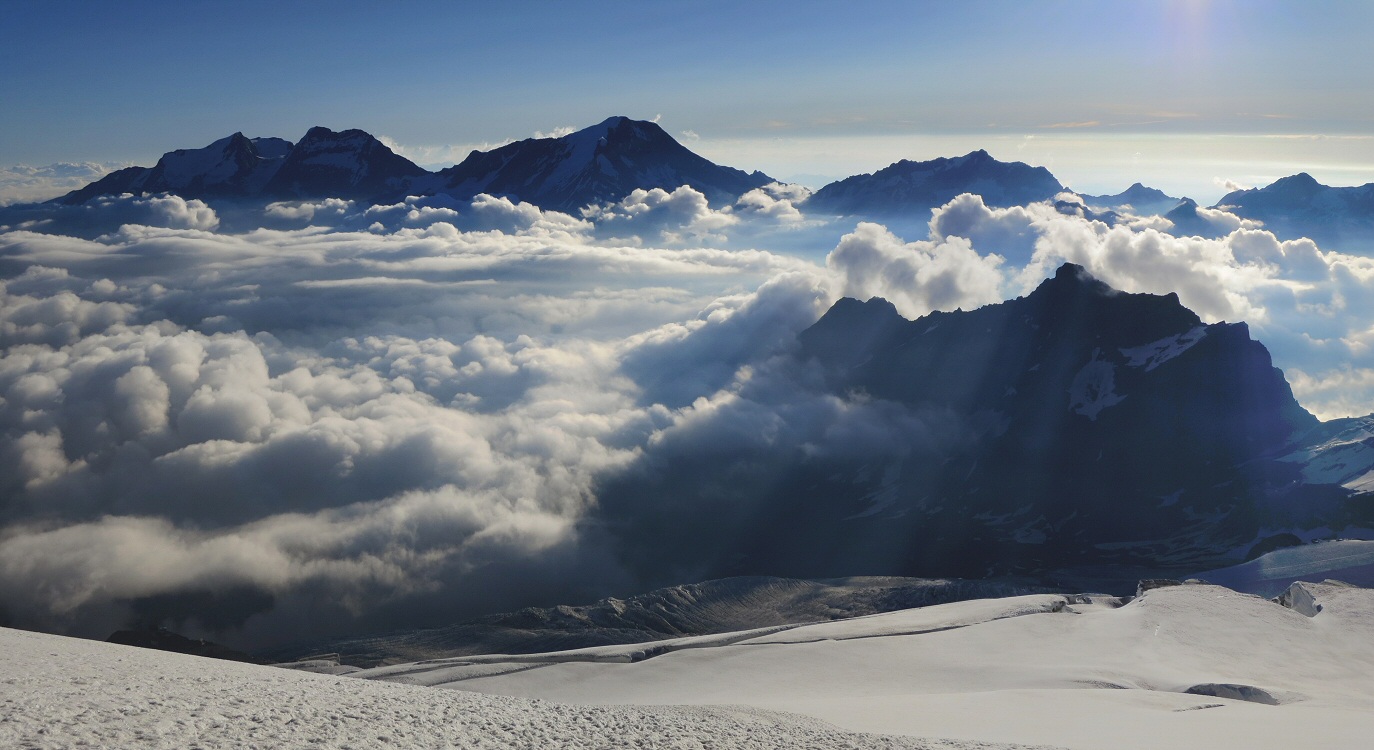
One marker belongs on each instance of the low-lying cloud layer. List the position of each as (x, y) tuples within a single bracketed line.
[(327, 417), (28, 184)]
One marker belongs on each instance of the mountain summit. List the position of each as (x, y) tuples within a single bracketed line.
[(324, 164), (602, 163), (1140, 200), (232, 166), (347, 164), (916, 186), (1299, 206), (1075, 428)]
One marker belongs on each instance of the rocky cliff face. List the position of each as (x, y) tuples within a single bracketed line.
[(1075, 428)]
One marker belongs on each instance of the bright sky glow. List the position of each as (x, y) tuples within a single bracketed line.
[(1178, 94)]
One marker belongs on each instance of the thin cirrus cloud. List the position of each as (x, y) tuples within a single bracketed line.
[(325, 417)]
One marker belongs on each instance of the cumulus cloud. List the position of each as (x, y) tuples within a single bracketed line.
[(917, 277), (377, 418), (334, 208), (775, 200), (557, 132), (683, 215), (1230, 185), (111, 212)]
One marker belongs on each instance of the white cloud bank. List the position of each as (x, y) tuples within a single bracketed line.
[(28, 184), (331, 417)]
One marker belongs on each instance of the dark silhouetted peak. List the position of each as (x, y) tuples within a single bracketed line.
[(1188, 221), (1072, 273), (1301, 181), (908, 186), (232, 166), (599, 164), (345, 164), (1076, 427), (1299, 206), (1186, 209), (1072, 280), (851, 326), (272, 148)]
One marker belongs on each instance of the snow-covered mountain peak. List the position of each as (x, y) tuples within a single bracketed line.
[(597, 164), (1301, 181)]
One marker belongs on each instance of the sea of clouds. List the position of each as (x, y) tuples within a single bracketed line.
[(269, 425)]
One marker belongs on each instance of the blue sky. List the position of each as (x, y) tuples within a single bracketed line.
[(1178, 93)]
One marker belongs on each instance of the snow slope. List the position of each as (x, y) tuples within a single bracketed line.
[(1167, 670), (58, 692), (1349, 560)]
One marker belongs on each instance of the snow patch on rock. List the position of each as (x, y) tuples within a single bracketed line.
[(1094, 388), (1156, 353)]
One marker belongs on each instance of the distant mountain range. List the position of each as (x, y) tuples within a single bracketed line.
[(350, 164), (1095, 430), (1299, 206), (599, 164), (607, 161)]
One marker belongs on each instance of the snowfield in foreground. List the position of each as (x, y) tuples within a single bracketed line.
[(1195, 666), (58, 692)]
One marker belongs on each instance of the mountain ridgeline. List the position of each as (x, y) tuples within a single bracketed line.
[(608, 161), (1299, 206), (1078, 428), (349, 164), (909, 185), (599, 164)]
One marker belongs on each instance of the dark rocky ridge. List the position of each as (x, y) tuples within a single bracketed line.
[(235, 166), (915, 187), (599, 164), (1299, 206), (1074, 430)]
